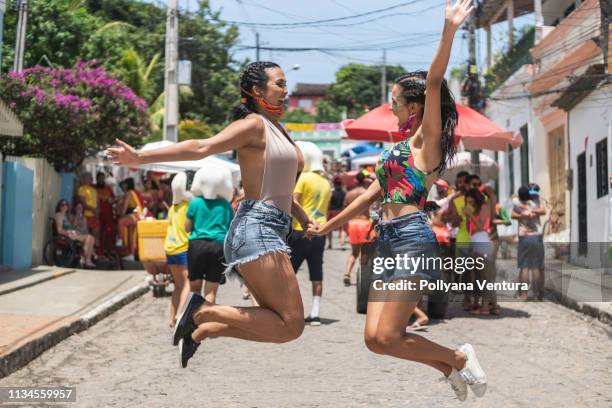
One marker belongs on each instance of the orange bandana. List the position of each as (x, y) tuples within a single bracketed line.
[(276, 109)]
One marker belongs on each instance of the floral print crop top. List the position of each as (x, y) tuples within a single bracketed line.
[(400, 180)]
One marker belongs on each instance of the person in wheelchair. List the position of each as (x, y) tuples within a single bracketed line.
[(64, 227)]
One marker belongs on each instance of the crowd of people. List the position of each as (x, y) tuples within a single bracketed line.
[(281, 187)]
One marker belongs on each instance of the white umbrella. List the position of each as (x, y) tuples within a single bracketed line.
[(489, 169), (177, 166)]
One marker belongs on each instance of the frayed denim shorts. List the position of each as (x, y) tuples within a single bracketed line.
[(411, 243), (256, 230)]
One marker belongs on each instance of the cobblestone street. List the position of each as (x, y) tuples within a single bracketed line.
[(535, 355)]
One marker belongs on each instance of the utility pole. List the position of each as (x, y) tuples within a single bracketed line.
[(170, 74), (383, 81), (257, 46), (473, 84), (22, 7)]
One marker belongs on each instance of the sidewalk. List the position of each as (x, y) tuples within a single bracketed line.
[(41, 307), (585, 290)]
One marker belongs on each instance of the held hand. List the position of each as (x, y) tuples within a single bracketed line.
[(316, 230), (124, 154), (456, 14)]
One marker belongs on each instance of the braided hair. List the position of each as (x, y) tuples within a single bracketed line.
[(253, 74), (413, 90)]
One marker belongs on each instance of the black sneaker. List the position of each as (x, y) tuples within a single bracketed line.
[(184, 324), (313, 321), (187, 348)]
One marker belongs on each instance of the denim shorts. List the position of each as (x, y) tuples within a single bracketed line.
[(411, 243), (257, 229), (177, 259)]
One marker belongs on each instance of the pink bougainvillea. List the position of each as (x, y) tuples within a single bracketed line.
[(70, 113)]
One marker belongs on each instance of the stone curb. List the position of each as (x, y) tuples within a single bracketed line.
[(555, 295), (32, 349), (34, 282)]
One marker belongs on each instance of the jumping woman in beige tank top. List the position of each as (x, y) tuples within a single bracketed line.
[(270, 163)]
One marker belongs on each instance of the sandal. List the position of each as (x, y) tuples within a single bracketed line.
[(416, 326), (347, 279)]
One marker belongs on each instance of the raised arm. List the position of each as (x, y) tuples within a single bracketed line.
[(238, 134), (454, 16)]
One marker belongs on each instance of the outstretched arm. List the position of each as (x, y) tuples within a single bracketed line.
[(454, 16), (357, 206), (238, 134)]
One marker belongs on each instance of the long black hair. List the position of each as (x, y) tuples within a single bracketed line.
[(413, 90), (478, 197), (253, 74)]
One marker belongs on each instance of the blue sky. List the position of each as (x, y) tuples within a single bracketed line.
[(417, 26)]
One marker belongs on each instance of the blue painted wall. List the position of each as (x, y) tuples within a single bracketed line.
[(16, 234), (67, 186)]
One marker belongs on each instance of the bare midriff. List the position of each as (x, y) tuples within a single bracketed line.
[(394, 210)]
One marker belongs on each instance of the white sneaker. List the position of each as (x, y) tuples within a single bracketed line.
[(458, 384), (129, 258), (472, 373)]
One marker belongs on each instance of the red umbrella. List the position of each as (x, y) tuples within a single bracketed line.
[(475, 130)]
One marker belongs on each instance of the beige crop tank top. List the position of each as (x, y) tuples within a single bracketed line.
[(281, 161)]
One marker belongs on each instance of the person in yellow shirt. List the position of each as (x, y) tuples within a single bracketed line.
[(313, 193), (177, 243), (88, 197)]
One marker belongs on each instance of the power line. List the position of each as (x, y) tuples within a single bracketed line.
[(327, 20)]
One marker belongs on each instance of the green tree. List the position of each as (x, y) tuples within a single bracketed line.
[(69, 114), (56, 29), (357, 87), (66, 31), (327, 112), (136, 73), (298, 116)]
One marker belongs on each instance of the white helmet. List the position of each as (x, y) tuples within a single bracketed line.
[(179, 188), (212, 181), (313, 156)]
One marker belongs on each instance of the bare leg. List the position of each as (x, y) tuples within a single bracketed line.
[(210, 291), (280, 318), (130, 231), (536, 278), (377, 342), (390, 338), (421, 316), (180, 293), (523, 278), (196, 286), (352, 258)]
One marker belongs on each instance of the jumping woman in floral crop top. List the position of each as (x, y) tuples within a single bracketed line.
[(427, 116)]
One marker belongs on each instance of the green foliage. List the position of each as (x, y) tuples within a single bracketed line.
[(357, 87), (194, 129), (509, 62), (326, 112), (125, 36), (69, 114), (298, 116), (459, 72), (135, 73), (57, 29)]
